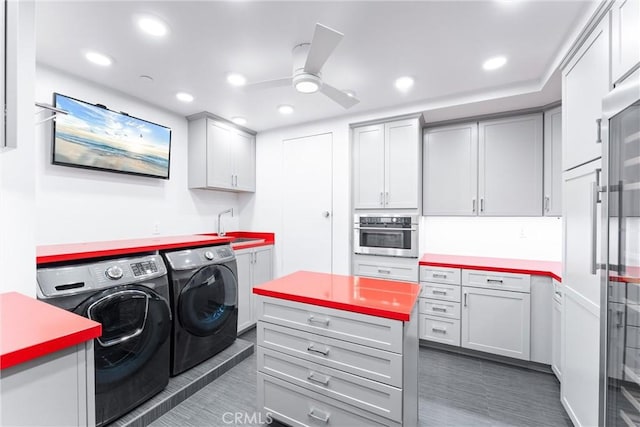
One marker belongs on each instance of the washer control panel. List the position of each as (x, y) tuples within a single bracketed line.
[(144, 268), (114, 272)]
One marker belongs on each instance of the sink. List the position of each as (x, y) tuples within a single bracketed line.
[(246, 239)]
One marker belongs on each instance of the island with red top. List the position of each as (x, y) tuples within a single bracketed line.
[(338, 348)]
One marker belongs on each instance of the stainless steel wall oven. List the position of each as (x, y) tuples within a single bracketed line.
[(386, 234)]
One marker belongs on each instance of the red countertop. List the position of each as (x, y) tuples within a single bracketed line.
[(376, 297), (77, 251), (30, 328), (538, 268)]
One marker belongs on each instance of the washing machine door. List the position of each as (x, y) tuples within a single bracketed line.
[(136, 321), (208, 300)]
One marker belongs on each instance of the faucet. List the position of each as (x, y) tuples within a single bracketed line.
[(221, 233)]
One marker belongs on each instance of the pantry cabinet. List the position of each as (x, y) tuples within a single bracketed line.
[(585, 81), (255, 266), (221, 156), (552, 202), (387, 167), (625, 38), (486, 168), (450, 175)]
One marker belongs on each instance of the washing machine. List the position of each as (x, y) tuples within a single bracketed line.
[(130, 298), (204, 300)]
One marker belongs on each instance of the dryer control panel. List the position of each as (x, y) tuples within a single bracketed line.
[(189, 259)]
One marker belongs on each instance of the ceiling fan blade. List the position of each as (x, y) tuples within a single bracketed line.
[(323, 44), (339, 96), (268, 84)]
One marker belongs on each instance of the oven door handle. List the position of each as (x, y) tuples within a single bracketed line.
[(385, 228)]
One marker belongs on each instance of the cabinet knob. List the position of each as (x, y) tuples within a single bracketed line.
[(326, 214)]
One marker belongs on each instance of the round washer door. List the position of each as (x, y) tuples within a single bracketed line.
[(135, 320), (208, 300)]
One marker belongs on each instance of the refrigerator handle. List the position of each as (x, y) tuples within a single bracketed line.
[(594, 226)]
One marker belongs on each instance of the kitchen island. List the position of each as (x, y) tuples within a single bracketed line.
[(337, 350)]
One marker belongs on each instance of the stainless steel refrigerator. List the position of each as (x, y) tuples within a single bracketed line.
[(620, 266)]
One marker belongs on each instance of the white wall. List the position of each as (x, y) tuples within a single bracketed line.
[(17, 175), (78, 205), (522, 238)]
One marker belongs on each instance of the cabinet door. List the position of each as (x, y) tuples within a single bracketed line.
[(244, 156), (368, 176), (556, 316), (220, 165), (625, 37), (243, 259), (581, 107), (510, 166), (553, 162), (497, 322), (450, 173), (402, 164), (262, 272)]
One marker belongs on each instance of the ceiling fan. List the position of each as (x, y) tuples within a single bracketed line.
[(308, 59)]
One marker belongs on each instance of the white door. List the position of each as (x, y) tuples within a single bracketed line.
[(553, 162), (262, 272), (244, 157), (220, 166), (402, 164), (307, 216), (368, 167), (243, 259)]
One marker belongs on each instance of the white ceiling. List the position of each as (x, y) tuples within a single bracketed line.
[(442, 44)]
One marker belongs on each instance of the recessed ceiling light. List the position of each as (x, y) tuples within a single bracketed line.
[(350, 93), (236, 79), (184, 97), (404, 83), (152, 25), (494, 63), (98, 58), (285, 109), (239, 120)]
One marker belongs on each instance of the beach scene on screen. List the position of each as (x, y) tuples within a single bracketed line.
[(95, 137)]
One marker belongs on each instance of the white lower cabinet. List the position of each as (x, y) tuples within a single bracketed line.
[(440, 305), (384, 267), (439, 329), (255, 266), (496, 321), (556, 334), (323, 366)]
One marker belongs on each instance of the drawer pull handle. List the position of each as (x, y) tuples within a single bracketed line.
[(489, 280), (312, 319), (440, 275), (318, 415), (384, 270), (440, 309), (324, 352), (439, 292), (313, 377), (441, 330)]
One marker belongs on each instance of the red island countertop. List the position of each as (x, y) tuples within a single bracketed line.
[(506, 265), (30, 328), (376, 297)]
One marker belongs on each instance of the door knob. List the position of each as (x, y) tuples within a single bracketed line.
[(326, 214)]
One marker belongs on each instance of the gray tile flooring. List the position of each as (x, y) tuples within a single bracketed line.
[(454, 390)]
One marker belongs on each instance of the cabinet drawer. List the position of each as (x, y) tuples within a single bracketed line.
[(407, 273), (440, 291), (440, 308), (372, 363), (377, 332), (297, 406), (497, 280), (440, 275), (439, 329), (369, 395)]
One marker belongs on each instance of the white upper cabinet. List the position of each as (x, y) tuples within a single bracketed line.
[(625, 37), (450, 170), (585, 81), (552, 202), (510, 166), (386, 169), (221, 156)]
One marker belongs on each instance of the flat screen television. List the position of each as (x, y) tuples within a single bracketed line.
[(94, 137)]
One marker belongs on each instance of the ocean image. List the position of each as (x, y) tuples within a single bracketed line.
[(95, 137)]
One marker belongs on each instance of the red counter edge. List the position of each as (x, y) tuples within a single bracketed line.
[(490, 268)]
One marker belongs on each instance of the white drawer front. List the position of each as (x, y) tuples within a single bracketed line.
[(369, 395), (372, 363), (378, 332), (297, 406), (440, 275), (440, 308), (497, 280), (446, 331), (408, 273), (440, 291)]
